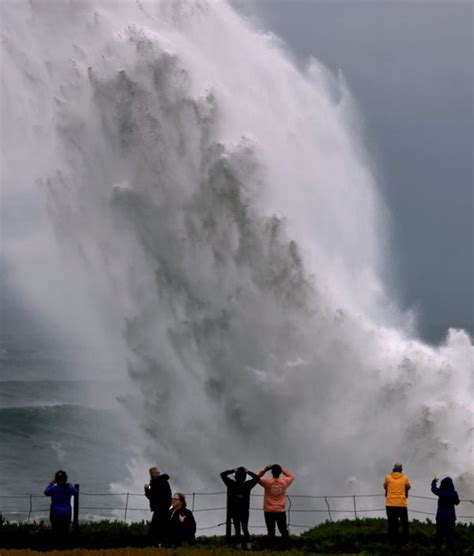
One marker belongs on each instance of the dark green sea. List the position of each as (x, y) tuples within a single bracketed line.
[(49, 420)]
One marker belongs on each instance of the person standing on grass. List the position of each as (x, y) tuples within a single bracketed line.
[(396, 486), (61, 493), (238, 498), (274, 499), (158, 492), (446, 514)]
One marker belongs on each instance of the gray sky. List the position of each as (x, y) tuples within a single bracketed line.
[(409, 66)]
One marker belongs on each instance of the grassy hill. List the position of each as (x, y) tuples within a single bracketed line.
[(362, 536)]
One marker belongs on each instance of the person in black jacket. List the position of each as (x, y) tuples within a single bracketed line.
[(238, 498), (158, 492), (181, 522), (446, 514)]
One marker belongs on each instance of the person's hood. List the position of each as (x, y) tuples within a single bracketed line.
[(396, 474), (447, 483), (161, 477)]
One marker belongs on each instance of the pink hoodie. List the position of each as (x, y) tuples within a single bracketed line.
[(274, 499)]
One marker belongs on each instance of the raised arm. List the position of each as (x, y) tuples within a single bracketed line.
[(263, 471), (254, 479), (147, 491), (261, 480), (434, 487), (49, 489), (225, 477), (288, 476)]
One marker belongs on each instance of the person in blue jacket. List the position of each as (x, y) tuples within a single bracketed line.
[(446, 514), (60, 511)]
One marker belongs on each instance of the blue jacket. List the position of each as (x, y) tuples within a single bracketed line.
[(60, 498), (447, 499)]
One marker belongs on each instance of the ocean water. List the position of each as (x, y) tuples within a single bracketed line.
[(49, 421), (200, 239)]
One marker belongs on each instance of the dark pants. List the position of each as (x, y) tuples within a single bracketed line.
[(159, 526), (240, 518), (445, 533), (397, 516), (276, 518), (60, 525)]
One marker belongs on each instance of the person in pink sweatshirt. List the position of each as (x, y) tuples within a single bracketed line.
[(274, 499)]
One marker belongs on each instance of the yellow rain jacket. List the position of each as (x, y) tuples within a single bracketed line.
[(396, 487)]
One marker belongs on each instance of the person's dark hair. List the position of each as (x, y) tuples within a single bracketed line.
[(181, 497), (240, 474), (276, 470), (60, 477), (447, 483)]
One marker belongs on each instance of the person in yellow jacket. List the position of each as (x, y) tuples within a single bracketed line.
[(396, 487)]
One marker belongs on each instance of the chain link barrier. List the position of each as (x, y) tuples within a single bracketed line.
[(36, 507)]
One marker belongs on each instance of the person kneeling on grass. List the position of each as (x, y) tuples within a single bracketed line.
[(60, 511), (274, 499), (182, 526)]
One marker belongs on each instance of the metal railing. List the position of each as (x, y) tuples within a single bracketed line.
[(303, 511)]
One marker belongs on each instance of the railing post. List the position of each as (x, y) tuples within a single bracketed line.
[(126, 507), (329, 508), (355, 507), (194, 498), (75, 509), (289, 513), (31, 508)]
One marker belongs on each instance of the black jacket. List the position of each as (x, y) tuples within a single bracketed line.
[(180, 532), (159, 494), (239, 491), (447, 499)]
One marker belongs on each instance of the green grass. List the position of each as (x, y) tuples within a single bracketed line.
[(362, 536), (369, 536), (146, 552)]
